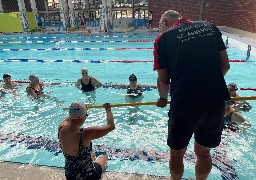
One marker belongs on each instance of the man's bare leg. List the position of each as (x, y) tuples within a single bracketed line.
[(203, 161), (176, 163)]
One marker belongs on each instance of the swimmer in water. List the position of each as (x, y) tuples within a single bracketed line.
[(231, 116), (8, 86), (8, 83), (35, 87), (134, 89), (86, 82), (134, 93)]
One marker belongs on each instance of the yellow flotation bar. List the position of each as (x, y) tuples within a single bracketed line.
[(154, 103)]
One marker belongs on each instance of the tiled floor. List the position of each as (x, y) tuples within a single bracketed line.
[(32, 172)]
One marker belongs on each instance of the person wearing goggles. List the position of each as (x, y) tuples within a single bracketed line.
[(231, 115), (76, 143), (86, 82)]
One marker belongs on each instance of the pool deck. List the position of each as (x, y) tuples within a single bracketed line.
[(11, 170), (243, 36)]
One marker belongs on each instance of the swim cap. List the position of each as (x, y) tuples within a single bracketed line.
[(77, 109), (84, 69), (132, 76), (233, 85), (33, 78)]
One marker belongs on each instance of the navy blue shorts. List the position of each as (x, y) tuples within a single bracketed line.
[(206, 125), (97, 170)]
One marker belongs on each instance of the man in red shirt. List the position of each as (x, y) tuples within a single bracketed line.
[(191, 58)]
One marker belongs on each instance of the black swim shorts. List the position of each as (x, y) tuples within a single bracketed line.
[(206, 125), (97, 171)]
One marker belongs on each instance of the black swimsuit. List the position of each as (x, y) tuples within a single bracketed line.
[(38, 92), (87, 87), (81, 166), (227, 119), (137, 92), (229, 124)]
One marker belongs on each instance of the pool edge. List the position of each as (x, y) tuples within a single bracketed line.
[(27, 171)]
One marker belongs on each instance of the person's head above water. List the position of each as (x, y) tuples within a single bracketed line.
[(7, 79), (132, 78), (84, 71), (232, 87), (6, 75), (77, 110), (33, 78)]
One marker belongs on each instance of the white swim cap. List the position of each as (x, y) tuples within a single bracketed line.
[(84, 69), (77, 109)]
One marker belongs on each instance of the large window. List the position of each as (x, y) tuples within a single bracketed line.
[(122, 14), (52, 17), (94, 15), (95, 3), (129, 3), (53, 4), (91, 8), (80, 4)]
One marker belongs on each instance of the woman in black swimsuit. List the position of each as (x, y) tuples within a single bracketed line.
[(134, 93), (134, 90), (87, 83), (76, 144), (35, 87)]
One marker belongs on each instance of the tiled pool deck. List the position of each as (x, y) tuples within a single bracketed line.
[(9, 170)]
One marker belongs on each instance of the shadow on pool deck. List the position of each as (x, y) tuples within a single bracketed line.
[(11, 170)]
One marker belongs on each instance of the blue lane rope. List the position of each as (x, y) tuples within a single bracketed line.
[(54, 37), (52, 41), (70, 49), (86, 60), (73, 61)]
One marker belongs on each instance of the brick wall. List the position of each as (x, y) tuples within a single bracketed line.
[(158, 7), (240, 14)]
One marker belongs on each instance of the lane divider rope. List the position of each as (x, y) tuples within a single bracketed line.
[(86, 60), (252, 89), (71, 49), (55, 37), (66, 41)]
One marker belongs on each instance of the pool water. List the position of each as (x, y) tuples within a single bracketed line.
[(28, 129)]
